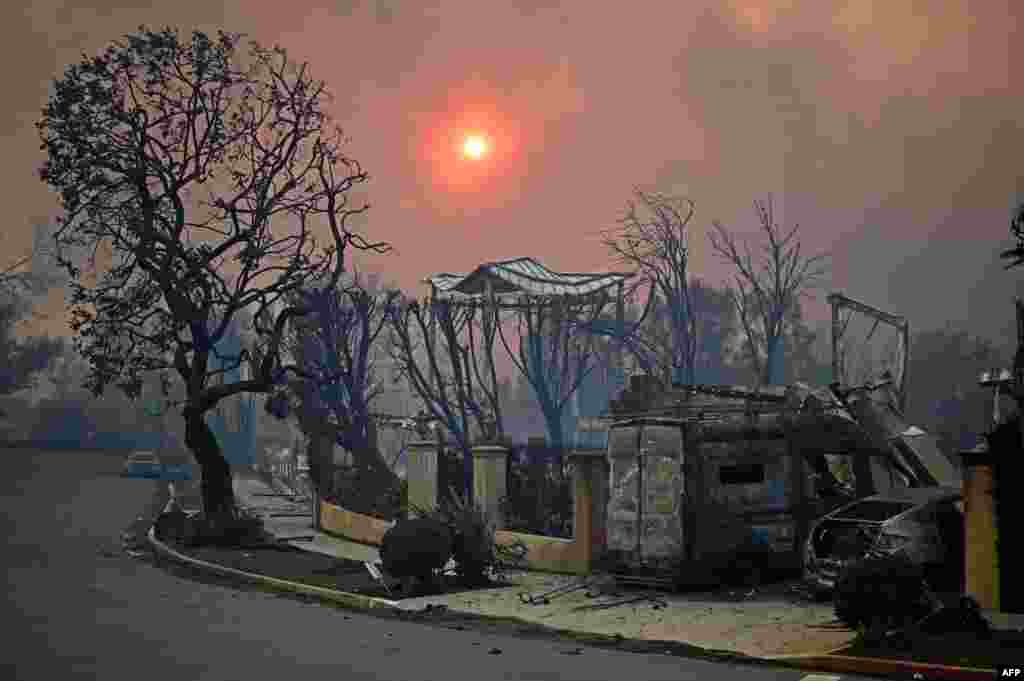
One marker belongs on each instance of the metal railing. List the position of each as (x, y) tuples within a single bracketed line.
[(297, 480)]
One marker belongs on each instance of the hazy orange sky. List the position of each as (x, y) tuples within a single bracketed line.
[(892, 132)]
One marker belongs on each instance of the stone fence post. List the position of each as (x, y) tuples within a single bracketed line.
[(981, 560), (590, 497), (490, 481), (421, 474)]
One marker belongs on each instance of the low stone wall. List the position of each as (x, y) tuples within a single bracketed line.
[(357, 527), (550, 554)]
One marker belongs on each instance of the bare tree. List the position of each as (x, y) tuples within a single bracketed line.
[(446, 363), (643, 333), (483, 330), (14, 277), (22, 360), (194, 173), (556, 350), (25, 278), (652, 236), (767, 287), (1016, 254), (337, 347), (22, 282)]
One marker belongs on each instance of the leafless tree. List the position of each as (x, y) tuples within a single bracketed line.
[(194, 173), (1016, 254), (652, 237), (22, 282), (14, 278), (767, 286), (443, 354), (34, 273), (556, 350), (336, 345), (22, 359), (482, 333)]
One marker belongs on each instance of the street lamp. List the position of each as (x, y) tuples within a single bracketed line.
[(1001, 381)]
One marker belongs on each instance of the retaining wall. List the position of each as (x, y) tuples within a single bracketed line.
[(549, 554)]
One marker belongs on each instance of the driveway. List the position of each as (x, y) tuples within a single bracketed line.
[(76, 606)]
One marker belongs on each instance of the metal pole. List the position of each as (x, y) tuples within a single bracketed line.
[(491, 309), (905, 332), (432, 326), (836, 364)]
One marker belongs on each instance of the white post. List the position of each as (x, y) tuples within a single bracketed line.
[(490, 466), (488, 321), (422, 474)]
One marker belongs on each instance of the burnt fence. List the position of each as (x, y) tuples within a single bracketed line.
[(540, 492), (539, 489)]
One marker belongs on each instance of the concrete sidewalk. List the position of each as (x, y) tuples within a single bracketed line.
[(254, 494), (291, 521), (773, 622)]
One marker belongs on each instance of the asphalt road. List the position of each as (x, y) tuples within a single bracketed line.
[(77, 606)]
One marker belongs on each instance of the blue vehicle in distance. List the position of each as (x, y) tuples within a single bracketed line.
[(142, 464), (146, 464)]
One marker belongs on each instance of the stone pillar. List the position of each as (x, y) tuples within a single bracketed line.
[(981, 561), (590, 485), (421, 473), (490, 481)]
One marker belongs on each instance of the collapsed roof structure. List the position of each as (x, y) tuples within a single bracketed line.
[(865, 420), (523, 276), (696, 470)]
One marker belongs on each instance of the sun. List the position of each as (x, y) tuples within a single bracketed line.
[(474, 147)]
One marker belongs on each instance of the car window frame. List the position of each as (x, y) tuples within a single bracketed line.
[(144, 458)]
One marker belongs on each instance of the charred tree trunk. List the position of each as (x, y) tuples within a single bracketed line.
[(554, 422), (373, 471), (367, 456), (377, 473), (320, 456), (216, 489)]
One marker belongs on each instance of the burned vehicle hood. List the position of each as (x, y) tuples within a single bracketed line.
[(918, 495), (853, 531)]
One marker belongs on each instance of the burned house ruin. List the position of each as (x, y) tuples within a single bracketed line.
[(699, 472)]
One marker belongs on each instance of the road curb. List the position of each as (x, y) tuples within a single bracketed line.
[(827, 662), (804, 656), (339, 597), (819, 662), (875, 666)]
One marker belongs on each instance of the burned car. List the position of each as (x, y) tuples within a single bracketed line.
[(922, 524)]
